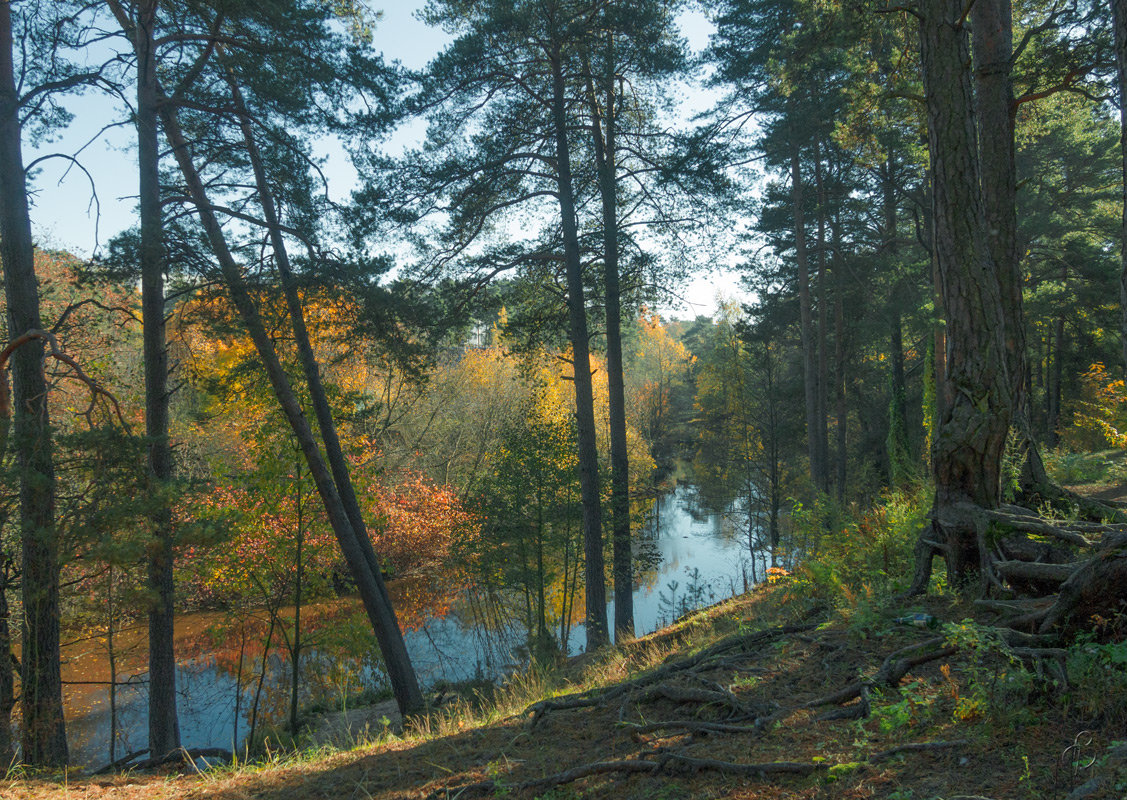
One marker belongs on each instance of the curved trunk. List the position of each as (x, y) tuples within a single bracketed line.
[(369, 582), (398, 662)]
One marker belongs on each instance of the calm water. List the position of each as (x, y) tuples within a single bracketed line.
[(696, 557)]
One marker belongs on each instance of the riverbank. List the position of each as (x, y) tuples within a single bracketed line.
[(758, 697)]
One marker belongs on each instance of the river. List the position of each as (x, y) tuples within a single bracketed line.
[(696, 557)]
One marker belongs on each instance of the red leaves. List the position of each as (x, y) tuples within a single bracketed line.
[(417, 523)]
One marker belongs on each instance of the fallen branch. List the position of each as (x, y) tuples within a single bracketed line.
[(181, 756)]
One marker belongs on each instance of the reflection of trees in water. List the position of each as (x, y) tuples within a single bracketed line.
[(454, 632), (744, 514)]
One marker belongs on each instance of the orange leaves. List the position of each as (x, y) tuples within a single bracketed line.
[(419, 523), (1100, 416)]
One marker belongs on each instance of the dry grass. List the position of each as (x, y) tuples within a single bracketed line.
[(1011, 754)]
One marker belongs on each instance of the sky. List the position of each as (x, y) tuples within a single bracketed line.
[(82, 209)]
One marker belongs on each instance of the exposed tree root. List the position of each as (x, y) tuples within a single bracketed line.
[(733, 768), (1031, 571), (721, 652), (637, 732), (1083, 587), (481, 788), (667, 762), (897, 665), (891, 672), (691, 694), (1097, 589)]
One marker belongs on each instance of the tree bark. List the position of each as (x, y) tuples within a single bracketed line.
[(972, 434), (992, 21), (823, 324), (7, 664), (841, 429), (597, 634), (605, 160), (899, 444), (43, 736), (164, 727), (1056, 375), (369, 582), (1119, 23), (806, 323)]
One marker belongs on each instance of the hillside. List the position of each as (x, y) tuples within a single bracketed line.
[(758, 697)]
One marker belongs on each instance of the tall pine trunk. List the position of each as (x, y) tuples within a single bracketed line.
[(823, 324), (992, 22), (605, 144), (841, 412), (164, 728), (1119, 22), (400, 671), (899, 443), (595, 579), (43, 736), (7, 671), (806, 323)]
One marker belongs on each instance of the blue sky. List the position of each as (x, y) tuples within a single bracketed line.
[(65, 215)]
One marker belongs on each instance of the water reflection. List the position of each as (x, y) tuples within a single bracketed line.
[(686, 556)]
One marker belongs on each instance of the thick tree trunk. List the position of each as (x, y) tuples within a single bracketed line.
[(43, 739), (994, 106), (972, 434), (603, 137), (806, 322), (597, 634), (398, 662), (359, 558), (1119, 22), (164, 728)]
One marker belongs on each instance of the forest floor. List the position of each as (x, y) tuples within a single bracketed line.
[(979, 723)]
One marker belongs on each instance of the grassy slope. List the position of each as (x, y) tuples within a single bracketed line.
[(1015, 735)]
